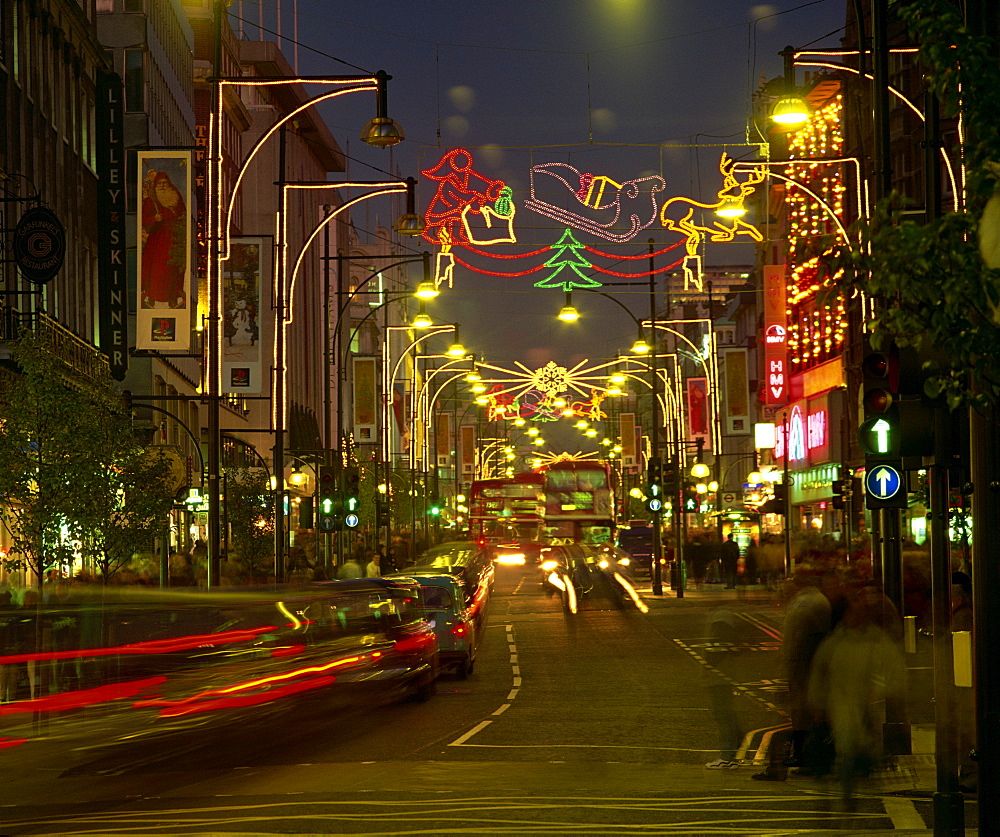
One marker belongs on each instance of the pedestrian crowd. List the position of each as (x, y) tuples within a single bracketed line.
[(842, 659)]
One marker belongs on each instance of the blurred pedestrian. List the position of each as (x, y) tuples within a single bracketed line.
[(806, 624), (350, 569), (750, 571), (965, 697), (373, 568), (720, 653), (730, 555), (855, 668)]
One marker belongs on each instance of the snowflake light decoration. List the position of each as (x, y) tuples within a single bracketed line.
[(551, 378), (546, 393)]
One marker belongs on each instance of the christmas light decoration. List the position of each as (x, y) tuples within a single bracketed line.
[(500, 214), (460, 189), (732, 191), (816, 329), (600, 203), (563, 260), (444, 262)]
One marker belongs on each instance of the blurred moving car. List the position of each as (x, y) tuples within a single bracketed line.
[(580, 571), (459, 628), (516, 553), (637, 540), (147, 664)]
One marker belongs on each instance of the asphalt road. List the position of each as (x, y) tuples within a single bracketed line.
[(593, 723)]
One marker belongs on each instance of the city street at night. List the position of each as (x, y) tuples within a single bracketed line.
[(572, 417), (595, 722)]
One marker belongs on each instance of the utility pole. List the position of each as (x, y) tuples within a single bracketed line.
[(654, 434)]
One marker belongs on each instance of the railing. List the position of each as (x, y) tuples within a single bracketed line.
[(83, 358)]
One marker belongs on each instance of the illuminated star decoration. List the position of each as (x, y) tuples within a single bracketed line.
[(579, 456)]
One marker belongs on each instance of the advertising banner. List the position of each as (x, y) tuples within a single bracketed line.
[(163, 265), (736, 392), (468, 449), (442, 439), (112, 276), (241, 288), (364, 375), (699, 415), (626, 432)]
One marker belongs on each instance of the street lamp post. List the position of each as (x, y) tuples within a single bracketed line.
[(381, 132)]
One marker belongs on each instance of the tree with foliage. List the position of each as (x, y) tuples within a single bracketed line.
[(936, 291), (128, 511), (71, 470), (250, 511), (51, 435)]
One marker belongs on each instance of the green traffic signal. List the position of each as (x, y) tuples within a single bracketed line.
[(879, 435)]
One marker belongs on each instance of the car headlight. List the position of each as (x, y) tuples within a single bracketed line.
[(549, 565)]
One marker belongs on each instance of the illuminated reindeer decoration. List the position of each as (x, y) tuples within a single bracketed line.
[(732, 193)]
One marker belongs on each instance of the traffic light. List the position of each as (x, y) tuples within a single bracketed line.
[(670, 482), (776, 505), (381, 511), (326, 494), (654, 487), (839, 494), (691, 501), (306, 513), (351, 480), (879, 433), (434, 507)]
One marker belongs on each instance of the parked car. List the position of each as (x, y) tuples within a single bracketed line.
[(459, 628), (469, 561)]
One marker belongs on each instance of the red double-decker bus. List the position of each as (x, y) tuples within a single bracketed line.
[(579, 503), (507, 510)]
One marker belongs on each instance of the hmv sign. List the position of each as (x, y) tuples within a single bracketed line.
[(775, 390)]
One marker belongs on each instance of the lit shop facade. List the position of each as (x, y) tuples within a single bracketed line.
[(810, 430)]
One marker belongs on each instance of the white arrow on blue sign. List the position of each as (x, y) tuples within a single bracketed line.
[(883, 482)]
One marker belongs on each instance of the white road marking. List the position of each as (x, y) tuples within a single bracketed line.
[(903, 813), (463, 738)]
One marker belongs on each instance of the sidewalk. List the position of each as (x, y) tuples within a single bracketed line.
[(915, 776)]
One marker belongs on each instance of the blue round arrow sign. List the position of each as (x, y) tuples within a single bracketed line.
[(883, 482)]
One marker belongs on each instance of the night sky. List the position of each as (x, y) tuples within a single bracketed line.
[(621, 88)]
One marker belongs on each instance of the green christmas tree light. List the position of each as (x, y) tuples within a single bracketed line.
[(567, 257)]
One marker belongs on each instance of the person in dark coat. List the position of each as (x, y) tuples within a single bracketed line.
[(730, 555)]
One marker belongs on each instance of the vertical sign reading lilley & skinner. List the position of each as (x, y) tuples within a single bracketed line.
[(163, 306), (112, 280)]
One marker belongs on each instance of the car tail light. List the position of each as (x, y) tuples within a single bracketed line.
[(459, 629)]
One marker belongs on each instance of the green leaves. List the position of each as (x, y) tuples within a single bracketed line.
[(68, 464), (932, 287)]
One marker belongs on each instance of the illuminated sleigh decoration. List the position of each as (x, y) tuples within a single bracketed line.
[(599, 203)]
